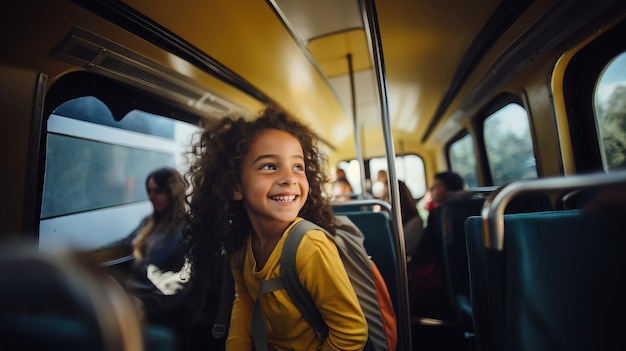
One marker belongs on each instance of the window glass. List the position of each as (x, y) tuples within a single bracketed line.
[(463, 160), (409, 169), (83, 175), (509, 145), (610, 113), (94, 181)]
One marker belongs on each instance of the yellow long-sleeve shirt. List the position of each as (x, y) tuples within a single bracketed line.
[(323, 275)]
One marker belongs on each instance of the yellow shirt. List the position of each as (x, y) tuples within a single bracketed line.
[(322, 273)]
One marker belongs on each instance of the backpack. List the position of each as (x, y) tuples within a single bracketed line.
[(366, 280)]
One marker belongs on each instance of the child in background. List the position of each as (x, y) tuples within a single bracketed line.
[(252, 181)]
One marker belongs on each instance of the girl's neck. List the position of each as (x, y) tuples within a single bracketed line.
[(268, 231), (264, 240), (262, 248)]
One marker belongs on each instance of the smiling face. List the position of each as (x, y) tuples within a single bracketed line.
[(273, 185)]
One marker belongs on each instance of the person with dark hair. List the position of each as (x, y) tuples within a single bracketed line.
[(158, 278), (444, 185), (252, 182), (342, 189), (427, 279), (412, 223), (166, 191)]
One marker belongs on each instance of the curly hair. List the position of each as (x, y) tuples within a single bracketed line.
[(216, 222)]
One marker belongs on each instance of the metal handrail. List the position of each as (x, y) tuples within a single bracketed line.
[(493, 208), (365, 203)]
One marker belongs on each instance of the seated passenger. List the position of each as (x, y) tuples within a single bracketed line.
[(412, 223), (427, 280), (342, 190), (381, 186), (159, 275)]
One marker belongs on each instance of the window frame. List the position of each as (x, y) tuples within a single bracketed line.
[(579, 83), (478, 124), (120, 99)]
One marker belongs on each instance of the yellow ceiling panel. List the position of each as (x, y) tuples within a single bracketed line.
[(331, 52)]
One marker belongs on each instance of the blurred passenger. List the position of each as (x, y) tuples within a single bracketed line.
[(342, 190), (159, 274), (156, 238), (412, 223), (380, 189), (428, 290), (444, 185), (340, 173)]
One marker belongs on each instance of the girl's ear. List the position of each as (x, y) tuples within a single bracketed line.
[(237, 195)]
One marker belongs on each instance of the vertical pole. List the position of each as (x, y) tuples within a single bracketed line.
[(357, 130), (370, 20)]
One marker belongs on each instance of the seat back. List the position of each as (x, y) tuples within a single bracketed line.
[(454, 212), (56, 302), (484, 313), (563, 281), (548, 280)]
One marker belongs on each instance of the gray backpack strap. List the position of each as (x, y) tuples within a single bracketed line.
[(258, 318), (226, 302), (296, 291), (290, 280)]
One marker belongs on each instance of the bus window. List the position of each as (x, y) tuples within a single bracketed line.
[(610, 113), (93, 190), (463, 159), (509, 145)]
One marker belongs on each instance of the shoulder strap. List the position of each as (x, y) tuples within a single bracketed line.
[(259, 335), (291, 280), (226, 301)]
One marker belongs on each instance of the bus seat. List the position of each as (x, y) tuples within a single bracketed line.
[(533, 304), (379, 243), (485, 337), (55, 302), (454, 212), (578, 308)]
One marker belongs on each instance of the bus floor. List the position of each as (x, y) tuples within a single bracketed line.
[(431, 337)]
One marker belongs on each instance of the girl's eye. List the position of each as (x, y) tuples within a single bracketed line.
[(298, 167), (268, 166)]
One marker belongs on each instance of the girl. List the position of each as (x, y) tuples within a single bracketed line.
[(252, 181)]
